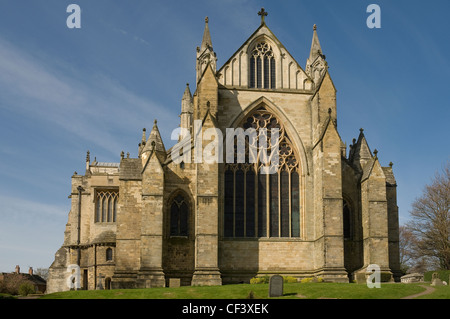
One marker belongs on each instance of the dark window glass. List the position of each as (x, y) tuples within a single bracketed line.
[(284, 203), (295, 204), (250, 204), (228, 201), (266, 72), (109, 254), (273, 178), (262, 205), (252, 72), (239, 205), (272, 73), (346, 219), (179, 215), (258, 72)]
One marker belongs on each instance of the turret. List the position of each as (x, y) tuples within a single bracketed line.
[(154, 144), (187, 109), (205, 53), (316, 64)]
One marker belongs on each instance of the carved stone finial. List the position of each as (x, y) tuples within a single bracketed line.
[(88, 156), (391, 164), (361, 130), (122, 155), (314, 27), (206, 19), (128, 154), (375, 151)]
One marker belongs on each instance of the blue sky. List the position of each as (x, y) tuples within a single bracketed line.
[(65, 91)]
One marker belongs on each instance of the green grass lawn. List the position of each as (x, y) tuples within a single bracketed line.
[(260, 291)]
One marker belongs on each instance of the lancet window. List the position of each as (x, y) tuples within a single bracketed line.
[(262, 67)]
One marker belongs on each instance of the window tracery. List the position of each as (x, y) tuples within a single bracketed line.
[(106, 206), (263, 205), (262, 67)]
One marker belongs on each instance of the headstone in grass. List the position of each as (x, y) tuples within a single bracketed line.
[(174, 282), (99, 282), (276, 286), (435, 280)]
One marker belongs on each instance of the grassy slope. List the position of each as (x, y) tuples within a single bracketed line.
[(291, 291)]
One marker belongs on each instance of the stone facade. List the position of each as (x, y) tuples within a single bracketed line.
[(148, 220)]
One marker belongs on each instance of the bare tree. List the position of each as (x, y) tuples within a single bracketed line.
[(430, 220), (407, 240), (42, 272)]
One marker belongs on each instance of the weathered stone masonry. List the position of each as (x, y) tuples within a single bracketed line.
[(328, 211)]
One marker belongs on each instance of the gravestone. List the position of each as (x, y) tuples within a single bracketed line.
[(276, 286), (435, 280), (174, 282), (99, 282)]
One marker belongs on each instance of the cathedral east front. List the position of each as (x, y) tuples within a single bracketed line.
[(286, 197)]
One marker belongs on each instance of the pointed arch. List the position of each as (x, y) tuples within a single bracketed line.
[(263, 56), (258, 204), (179, 206), (299, 148)]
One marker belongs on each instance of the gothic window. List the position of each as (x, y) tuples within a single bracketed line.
[(257, 204), (262, 67), (346, 219), (109, 254), (179, 215), (106, 206)]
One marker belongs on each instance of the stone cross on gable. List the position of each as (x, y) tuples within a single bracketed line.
[(263, 14)]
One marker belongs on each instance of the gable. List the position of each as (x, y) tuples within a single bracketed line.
[(289, 74)]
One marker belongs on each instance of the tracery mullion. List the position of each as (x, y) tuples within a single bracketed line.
[(295, 203), (290, 202), (234, 203)]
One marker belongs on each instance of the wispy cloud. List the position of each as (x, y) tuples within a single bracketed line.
[(28, 211), (90, 106), (133, 36), (28, 230)]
